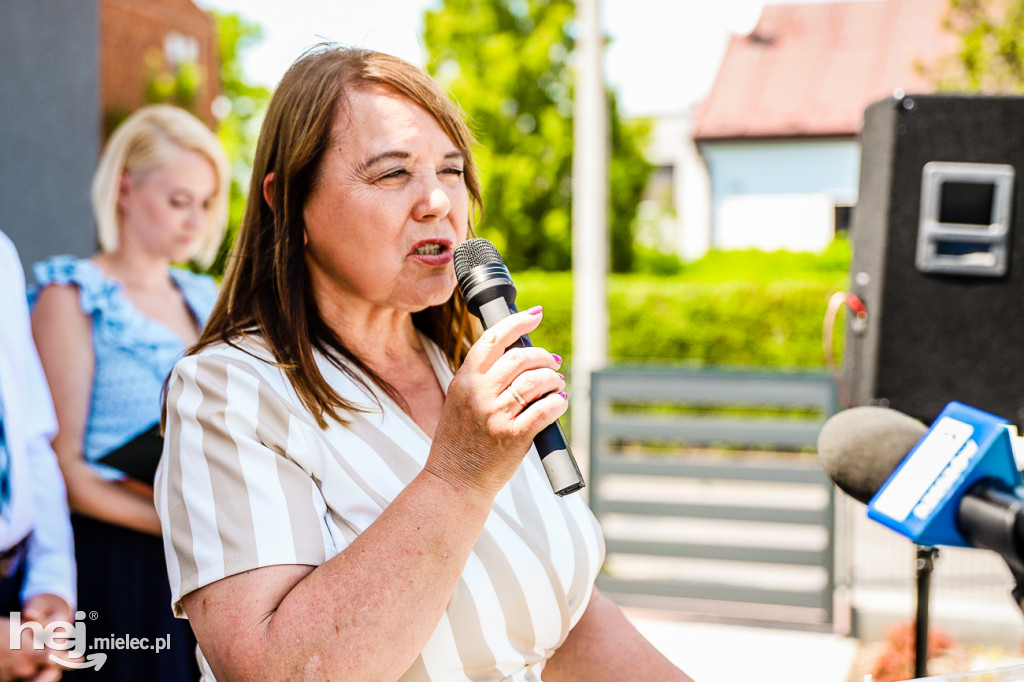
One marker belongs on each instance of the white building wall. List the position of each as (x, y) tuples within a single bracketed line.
[(779, 194), (693, 192), (682, 224), (773, 222)]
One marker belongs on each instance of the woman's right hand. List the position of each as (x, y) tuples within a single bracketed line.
[(484, 431)]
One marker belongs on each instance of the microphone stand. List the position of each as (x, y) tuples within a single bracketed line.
[(925, 563)]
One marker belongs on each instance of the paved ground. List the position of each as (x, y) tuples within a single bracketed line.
[(711, 652), (969, 601)]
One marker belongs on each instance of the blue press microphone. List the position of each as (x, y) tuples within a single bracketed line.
[(964, 447), (956, 484)]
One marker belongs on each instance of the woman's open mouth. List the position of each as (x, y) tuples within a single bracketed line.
[(433, 252), (432, 249)]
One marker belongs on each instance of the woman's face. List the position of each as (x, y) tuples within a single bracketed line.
[(388, 208), (165, 211)]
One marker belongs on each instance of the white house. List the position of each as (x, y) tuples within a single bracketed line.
[(777, 135), (674, 213)]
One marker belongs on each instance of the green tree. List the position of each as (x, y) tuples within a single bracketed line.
[(991, 54), (509, 65), (178, 86), (240, 111)]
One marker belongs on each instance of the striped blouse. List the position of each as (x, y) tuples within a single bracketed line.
[(248, 479)]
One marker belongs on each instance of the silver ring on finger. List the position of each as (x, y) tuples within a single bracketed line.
[(518, 398)]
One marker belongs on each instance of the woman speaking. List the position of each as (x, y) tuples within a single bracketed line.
[(345, 492)]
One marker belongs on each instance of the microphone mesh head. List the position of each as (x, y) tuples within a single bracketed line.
[(474, 252), (859, 448)]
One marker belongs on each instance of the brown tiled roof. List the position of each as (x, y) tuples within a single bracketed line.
[(810, 70)]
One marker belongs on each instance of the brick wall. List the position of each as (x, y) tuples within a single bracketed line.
[(134, 31)]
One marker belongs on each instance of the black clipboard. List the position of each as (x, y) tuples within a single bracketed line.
[(139, 457)]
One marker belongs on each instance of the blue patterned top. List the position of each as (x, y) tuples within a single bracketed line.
[(133, 353)]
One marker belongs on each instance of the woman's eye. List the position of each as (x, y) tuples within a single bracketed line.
[(452, 173), (179, 202), (392, 176)]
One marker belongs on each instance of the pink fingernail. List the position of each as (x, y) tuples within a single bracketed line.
[(560, 376), (564, 395), (557, 357), (535, 310)]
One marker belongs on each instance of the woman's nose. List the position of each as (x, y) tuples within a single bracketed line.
[(195, 217), (435, 203)]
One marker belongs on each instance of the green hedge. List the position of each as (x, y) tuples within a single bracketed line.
[(726, 310)]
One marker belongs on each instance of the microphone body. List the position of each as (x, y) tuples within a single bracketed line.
[(993, 518), (491, 296)]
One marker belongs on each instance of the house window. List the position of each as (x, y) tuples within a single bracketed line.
[(660, 187), (842, 219), (180, 49)]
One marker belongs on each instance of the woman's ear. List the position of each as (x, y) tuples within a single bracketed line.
[(268, 190), (124, 187)]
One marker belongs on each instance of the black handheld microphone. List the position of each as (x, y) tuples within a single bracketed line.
[(861, 447), (491, 296)]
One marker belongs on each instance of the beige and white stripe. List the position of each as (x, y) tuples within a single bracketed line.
[(248, 479)]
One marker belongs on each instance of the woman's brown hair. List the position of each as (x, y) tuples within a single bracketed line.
[(266, 291)]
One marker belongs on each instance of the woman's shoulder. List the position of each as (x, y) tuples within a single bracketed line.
[(243, 367), (95, 289), (9, 254), (248, 354), (66, 269)]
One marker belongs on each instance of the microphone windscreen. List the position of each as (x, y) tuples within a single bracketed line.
[(859, 448), (474, 252)]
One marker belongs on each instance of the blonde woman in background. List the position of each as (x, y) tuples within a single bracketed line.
[(109, 329)]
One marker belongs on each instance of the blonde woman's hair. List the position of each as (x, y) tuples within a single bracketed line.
[(142, 143)]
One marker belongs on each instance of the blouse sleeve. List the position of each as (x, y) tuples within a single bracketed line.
[(94, 291), (51, 563), (116, 323), (228, 496)]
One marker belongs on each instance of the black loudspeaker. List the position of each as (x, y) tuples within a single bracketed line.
[(938, 258)]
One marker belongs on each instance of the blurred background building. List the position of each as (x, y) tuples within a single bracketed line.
[(770, 160), (150, 48), (72, 69)]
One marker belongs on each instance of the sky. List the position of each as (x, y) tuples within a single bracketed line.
[(663, 56)]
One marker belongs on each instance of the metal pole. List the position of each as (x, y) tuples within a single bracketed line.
[(589, 222), (925, 564)]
